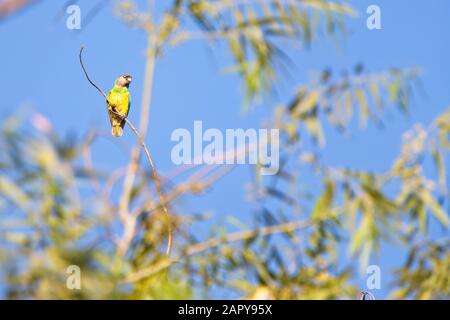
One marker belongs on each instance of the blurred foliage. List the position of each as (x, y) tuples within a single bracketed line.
[(58, 209), (255, 31)]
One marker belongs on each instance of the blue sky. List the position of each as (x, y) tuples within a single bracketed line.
[(39, 59)]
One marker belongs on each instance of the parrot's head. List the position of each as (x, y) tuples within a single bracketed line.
[(124, 80)]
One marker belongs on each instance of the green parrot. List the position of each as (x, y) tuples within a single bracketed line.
[(119, 97)]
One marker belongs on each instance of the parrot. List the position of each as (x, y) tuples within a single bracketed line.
[(119, 98)]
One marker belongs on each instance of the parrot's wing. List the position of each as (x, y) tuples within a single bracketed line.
[(129, 103), (112, 102), (109, 98)]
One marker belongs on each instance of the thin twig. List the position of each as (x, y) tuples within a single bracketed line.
[(144, 146), (87, 76), (157, 183), (192, 184), (144, 116)]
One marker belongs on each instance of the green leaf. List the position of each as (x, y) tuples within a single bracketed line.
[(306, 105), (360, 236), (323, 204), (364, 106), (436, 209), (440, 167), (13, 192), (315, 129), (375, 92)]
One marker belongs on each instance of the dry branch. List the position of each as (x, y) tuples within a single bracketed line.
[(144, 146), (215, 242)]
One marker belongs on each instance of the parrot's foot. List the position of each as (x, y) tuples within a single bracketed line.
[(122, 116), (117, 131), (118, 113), (112, 108)]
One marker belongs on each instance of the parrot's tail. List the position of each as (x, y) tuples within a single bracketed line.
[(117, 130)]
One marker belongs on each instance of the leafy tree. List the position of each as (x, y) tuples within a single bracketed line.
[(57, 207)]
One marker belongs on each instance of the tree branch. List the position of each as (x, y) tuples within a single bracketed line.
[(144, 146), (143, 126), (215, 242), (87, 76)]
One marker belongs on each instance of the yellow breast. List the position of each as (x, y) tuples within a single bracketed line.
[(120, 100)]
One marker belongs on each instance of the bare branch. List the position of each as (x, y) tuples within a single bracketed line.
[(157, 181), (215, 242), (87, 76), (143, 127), (149, 157)]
